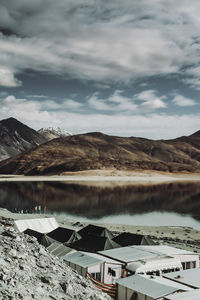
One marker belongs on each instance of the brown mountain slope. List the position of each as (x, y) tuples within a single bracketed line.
[(100, 151)]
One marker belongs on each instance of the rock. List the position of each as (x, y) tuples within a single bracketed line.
[(29, 272)]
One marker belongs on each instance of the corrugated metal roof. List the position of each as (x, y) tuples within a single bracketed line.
[(147, 286), (128, 254), (190, 277), (168, 282), (43, 225), (103, 258), (191, 295), (83, 260), (166, 250), (59, 249)]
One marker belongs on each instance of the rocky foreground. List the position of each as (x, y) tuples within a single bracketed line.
[(28, 271)]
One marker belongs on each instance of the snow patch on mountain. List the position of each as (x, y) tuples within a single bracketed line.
[(51, 133)]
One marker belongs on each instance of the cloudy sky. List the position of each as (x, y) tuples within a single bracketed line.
[(129, 68)]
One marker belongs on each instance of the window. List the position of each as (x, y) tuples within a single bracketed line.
[(187, 265), (96, 276), (184, 265), (111, 272)]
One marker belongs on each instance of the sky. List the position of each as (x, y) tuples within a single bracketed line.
[(127, 68)]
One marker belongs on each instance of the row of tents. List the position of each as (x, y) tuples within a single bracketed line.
[(91, 238)]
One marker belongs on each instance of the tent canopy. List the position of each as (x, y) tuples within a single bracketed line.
[(36, 234), (64, 235), (94, 243), (95, 231), (127, 239), (43, 225)]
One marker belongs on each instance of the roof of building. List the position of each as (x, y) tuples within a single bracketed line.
[(153, 265), (128, 254), (168, 282), (148, 286), (59, 249), (102, 258), (43, 225), (94, 244), (64, 235), (96, 231), (188, 277), (128, 239), (191, 295), (36, 234), (166, 250), (82, 259)]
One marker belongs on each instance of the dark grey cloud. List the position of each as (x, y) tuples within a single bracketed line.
[(110, 41)]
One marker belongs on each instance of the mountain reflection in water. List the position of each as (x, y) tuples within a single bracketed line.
[(101, 201)]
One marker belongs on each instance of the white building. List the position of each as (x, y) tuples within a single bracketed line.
[(190, 278), (191, 295), (188, 259), (152, 259), (140, 287), (101, 268)]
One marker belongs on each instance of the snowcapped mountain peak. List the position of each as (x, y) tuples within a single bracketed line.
[(53, 132)]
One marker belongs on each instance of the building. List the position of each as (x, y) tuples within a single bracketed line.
[(191, 295), (139, 287), (190, 278), (59, 249), (152, 259), (188, 259), (101, 268)]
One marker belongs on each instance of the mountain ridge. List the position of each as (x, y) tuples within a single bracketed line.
[(16, 137), (96, 150)]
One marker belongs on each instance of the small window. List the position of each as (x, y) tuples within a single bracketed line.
[(184, 265), (187, 265), (96, 276)]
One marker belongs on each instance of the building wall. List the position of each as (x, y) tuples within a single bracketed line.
[(188, 258), (107, 277)]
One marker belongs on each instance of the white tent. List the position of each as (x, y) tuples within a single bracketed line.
[(43, 225)]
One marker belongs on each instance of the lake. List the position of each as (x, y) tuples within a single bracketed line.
[(172, 204)]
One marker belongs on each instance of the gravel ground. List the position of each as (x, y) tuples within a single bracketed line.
[(28, 271)]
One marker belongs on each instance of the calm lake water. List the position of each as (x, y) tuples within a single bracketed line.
[(174, 204)]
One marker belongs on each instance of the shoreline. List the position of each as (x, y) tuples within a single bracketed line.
[(183, 237), (101, 176)]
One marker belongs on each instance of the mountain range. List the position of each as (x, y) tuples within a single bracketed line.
[(96, 150), (15, 137)]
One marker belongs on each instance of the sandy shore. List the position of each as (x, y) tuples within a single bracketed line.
[(108, 176)]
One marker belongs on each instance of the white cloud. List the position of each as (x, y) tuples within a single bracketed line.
[(71, 104), (116, 103), (34, 114), (153, 104), (98, 104), (8, 79), (150, 100), (183, 101)]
